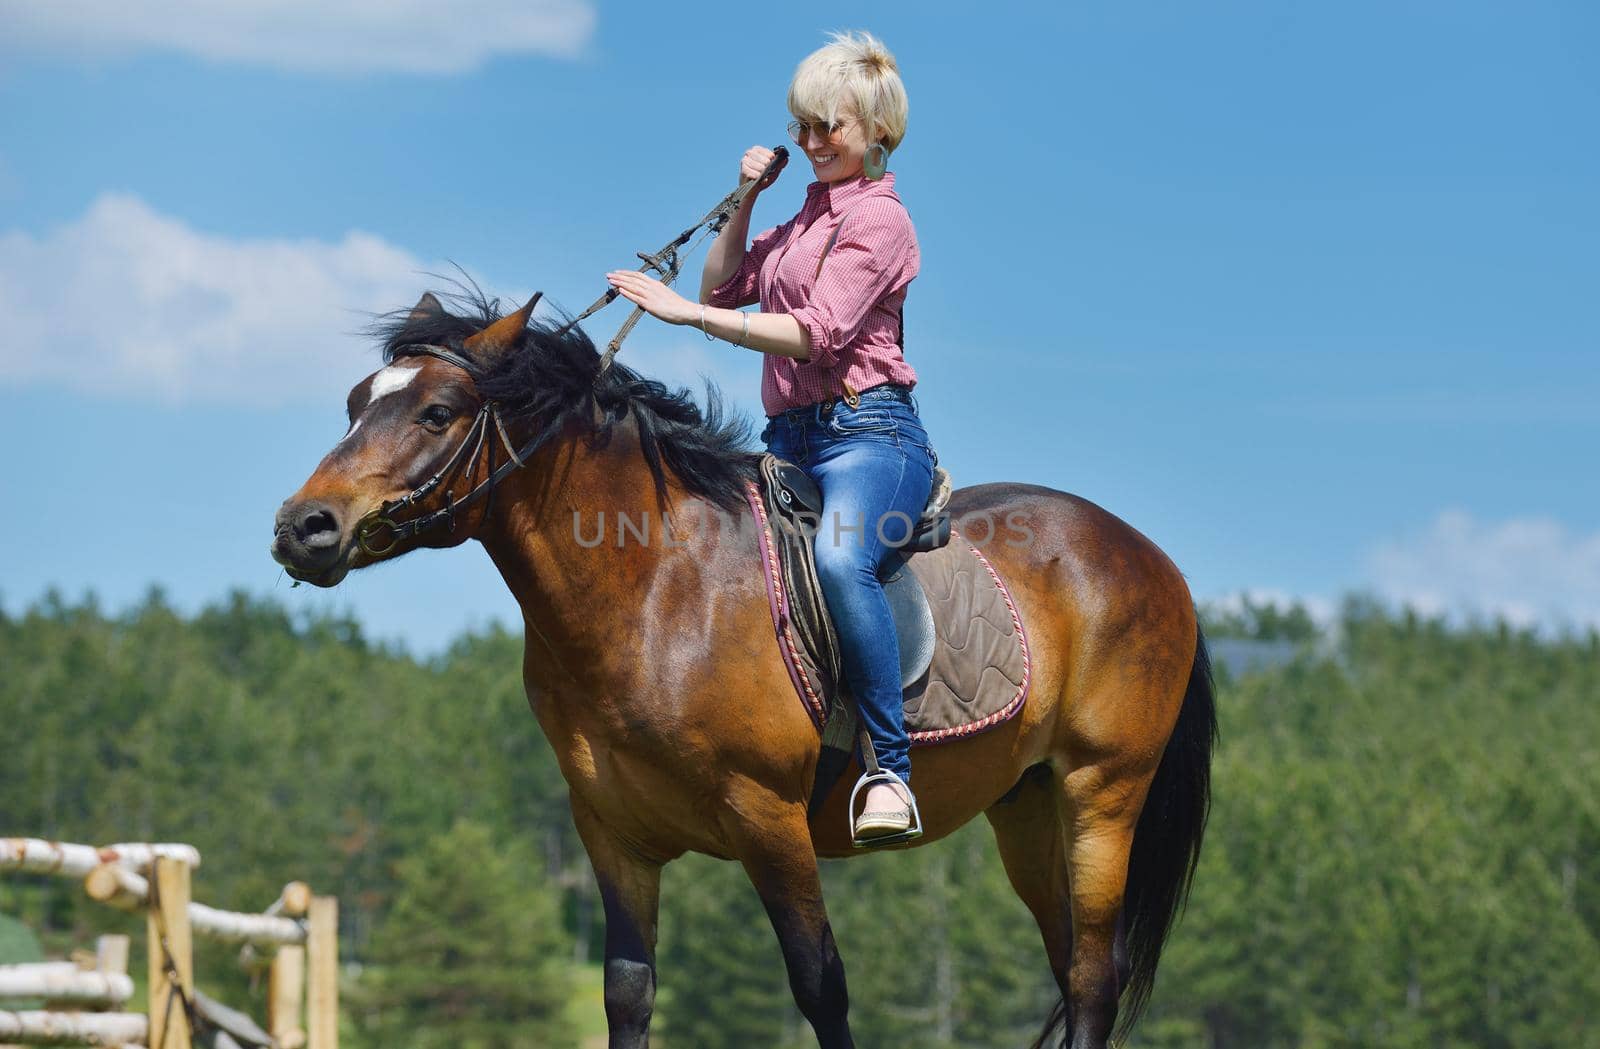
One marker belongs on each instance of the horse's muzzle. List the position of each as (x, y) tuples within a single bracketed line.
[(308, 541)]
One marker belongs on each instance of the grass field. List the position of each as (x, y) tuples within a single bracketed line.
[(588, 1006)]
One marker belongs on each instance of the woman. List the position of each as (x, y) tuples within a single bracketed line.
[(835, 383)]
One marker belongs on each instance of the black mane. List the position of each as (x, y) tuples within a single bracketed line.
[(548, 379)]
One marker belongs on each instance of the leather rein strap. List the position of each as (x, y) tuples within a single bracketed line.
[(666, 261)]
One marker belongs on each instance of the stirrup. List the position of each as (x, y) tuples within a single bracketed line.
[(913, 831)]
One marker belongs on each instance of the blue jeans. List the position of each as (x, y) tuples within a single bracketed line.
[(874, 464)]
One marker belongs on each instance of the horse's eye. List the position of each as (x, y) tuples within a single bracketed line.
[(437, 415)]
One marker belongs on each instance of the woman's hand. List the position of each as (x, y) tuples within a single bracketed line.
[(755, 161), (657, 299)]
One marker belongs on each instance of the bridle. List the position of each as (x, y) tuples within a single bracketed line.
[(665, 262), (468, 451)]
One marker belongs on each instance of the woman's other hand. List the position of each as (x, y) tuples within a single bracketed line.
[(755, 161), (657, 299)]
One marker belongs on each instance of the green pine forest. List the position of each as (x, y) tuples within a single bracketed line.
[(1404, 847)]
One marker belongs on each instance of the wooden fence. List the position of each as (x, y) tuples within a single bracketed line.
[(82, 999)]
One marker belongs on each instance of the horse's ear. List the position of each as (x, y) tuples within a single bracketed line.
[(503, 333), (427, 306)]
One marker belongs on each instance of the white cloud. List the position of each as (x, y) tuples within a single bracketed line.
[(131, 303), (1533, 571), (126, 301), (352, 36)]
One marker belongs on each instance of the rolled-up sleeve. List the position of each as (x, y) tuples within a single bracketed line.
[(744, 287), (867, 261)]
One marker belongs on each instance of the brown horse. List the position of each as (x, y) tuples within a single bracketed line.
[(651, 665)]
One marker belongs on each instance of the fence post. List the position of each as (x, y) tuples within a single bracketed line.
[(111, 953), (286, 982), (322, 950), (285, 995), (168, 920)]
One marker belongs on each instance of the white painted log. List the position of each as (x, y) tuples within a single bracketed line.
[(46, 1028), (117, 886), (64, 982), (120, 887), (103, 1045), (37, 856), (294, 900)]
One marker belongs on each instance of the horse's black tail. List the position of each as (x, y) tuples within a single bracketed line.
[(1166, 843)]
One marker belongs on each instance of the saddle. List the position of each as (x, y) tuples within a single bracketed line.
[(963, 655), (794, 506)]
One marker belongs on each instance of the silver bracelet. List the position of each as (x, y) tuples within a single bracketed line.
[(745, 334), (708, 335)]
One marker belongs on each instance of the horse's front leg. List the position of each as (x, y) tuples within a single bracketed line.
[(630, 889), (773, 842)]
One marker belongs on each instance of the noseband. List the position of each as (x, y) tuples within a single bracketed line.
[(467, 452)]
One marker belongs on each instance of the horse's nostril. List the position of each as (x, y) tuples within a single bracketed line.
[(318, 527)]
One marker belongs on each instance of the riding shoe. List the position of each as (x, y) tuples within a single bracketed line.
[(876, 823)]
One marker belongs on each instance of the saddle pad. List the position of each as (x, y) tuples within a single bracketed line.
[(980, 670)]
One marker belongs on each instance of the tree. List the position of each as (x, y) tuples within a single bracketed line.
[(472, 954), (722, 980)]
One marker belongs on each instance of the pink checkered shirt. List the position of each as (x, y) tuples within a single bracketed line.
[(850, 310)]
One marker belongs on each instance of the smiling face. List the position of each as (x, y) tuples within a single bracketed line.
[(852, 83), (838, 156)]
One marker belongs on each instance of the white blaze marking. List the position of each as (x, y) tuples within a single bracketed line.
[(395, 377)]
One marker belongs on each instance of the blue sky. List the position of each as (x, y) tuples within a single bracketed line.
[(1304, 293)]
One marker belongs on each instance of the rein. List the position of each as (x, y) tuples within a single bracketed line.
[(665, 262)]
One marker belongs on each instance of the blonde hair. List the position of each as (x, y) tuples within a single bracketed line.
[(853, 67)]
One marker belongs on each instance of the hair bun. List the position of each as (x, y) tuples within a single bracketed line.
[(879, 58)]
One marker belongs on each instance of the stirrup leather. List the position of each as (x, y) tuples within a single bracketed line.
[(913, 831)]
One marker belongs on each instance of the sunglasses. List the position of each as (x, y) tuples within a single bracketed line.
[(799, 130)]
